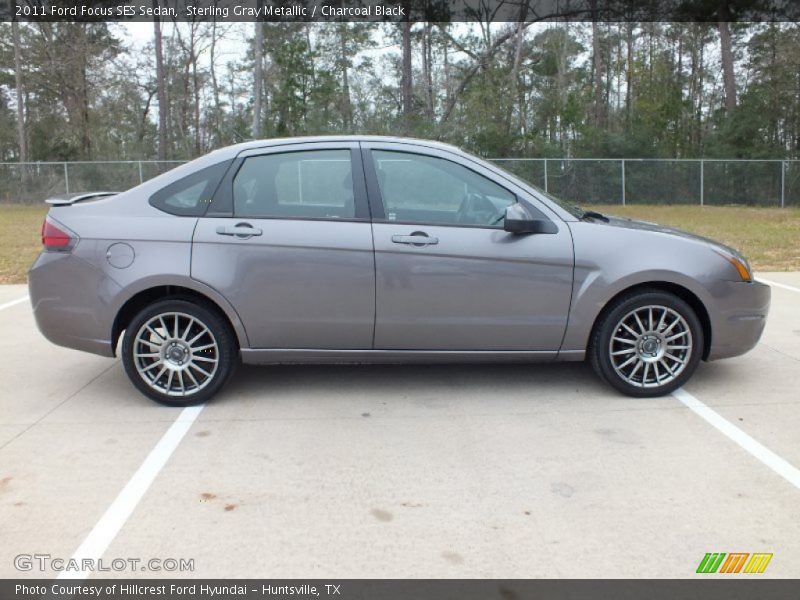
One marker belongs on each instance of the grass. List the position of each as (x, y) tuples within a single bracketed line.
[(20, 240), (768, 237)]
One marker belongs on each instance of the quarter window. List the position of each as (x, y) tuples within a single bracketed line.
[(424, 189), (191, 195), (314, 185)]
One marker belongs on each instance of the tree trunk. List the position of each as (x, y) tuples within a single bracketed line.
[(726, 54), (597, 71), (406, 78), (427, 60), (161, 88), (513, 76), (214, 83), (628, 72), (258, 76), (21, 135), (82, 94), (347, 108)]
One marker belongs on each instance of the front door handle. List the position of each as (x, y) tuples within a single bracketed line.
[(240, 230), (418, 238)]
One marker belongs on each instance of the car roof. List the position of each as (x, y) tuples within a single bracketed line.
[(254, 144)]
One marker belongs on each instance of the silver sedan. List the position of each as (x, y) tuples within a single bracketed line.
[(368, 249)]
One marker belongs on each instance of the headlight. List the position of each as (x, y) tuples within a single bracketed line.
[(741, 266)]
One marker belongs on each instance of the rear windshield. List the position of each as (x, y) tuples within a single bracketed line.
[(190, 196)]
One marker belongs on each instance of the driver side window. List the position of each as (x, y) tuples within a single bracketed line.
[(423, 189)]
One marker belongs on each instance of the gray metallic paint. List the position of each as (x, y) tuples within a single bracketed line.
[(306, 290)]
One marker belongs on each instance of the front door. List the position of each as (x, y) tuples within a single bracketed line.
[(448, 276), (294, 252)]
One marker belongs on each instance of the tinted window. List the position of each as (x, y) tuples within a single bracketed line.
[(316, 185), (425, 189), (191, 195)]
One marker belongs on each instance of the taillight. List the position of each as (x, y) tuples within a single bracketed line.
[(55, 238)]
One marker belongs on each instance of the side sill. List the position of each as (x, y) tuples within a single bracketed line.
[(572, 355), (321, 357)]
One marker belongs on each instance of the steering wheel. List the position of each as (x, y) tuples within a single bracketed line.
[(476, 209)]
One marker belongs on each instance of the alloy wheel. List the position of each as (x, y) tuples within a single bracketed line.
[(651, 346), (176, 354)]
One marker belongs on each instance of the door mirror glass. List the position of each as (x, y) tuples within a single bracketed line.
[(518, 220)]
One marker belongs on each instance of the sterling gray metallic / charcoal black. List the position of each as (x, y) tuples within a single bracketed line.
[(367, 249)]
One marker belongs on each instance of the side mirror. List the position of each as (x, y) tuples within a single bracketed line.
[(518, 221)]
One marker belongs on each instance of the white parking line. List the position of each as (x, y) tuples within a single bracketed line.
[(780, 285), (13, 303), (786, 470), (106, 529)]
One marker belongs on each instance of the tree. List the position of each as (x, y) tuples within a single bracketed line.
[(258, 77), (726, 54), (161, 84), (22, 139)]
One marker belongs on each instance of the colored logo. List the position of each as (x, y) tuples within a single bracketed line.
[(734, 562)]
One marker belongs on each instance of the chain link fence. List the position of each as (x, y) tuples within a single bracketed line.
[(663, 181), (34, 182), (580, 180)]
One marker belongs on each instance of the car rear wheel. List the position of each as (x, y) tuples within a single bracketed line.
[(177, 352), (647, 344)]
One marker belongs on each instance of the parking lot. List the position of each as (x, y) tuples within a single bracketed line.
[(504, 471)]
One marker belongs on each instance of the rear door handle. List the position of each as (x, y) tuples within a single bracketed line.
[(418, 238), (240, 230)]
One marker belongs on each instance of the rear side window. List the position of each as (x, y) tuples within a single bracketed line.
[(316, 184), (190, 196)]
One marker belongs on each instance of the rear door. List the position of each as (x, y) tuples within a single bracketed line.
[(288, 242), (448, 276)]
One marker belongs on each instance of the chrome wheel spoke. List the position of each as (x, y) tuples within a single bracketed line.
[(618, 352), (150, 366), (188, 328), (205, 359), (646, 371), (636, 369), (639, 323), (197, 337), (203, 347), (192, 377), (660, 325), (157, 335), (196, 368)]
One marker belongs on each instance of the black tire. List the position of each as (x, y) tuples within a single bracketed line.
[(214, 352), (621, 376)]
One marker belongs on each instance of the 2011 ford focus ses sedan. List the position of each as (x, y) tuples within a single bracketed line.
[(365, 249)]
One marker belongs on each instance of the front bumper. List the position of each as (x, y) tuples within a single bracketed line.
[(738, 316)]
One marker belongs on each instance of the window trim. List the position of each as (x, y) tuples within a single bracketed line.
[(222, 206), (376, 198)]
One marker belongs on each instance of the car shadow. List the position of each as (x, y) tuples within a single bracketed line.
[(407, 379)]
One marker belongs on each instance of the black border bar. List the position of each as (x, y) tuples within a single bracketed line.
[(708, 11), (728, 587)]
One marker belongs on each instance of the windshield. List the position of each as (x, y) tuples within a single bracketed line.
[(573, 209)]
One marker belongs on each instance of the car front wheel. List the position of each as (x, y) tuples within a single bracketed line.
[(177, 352), (648, 344)]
